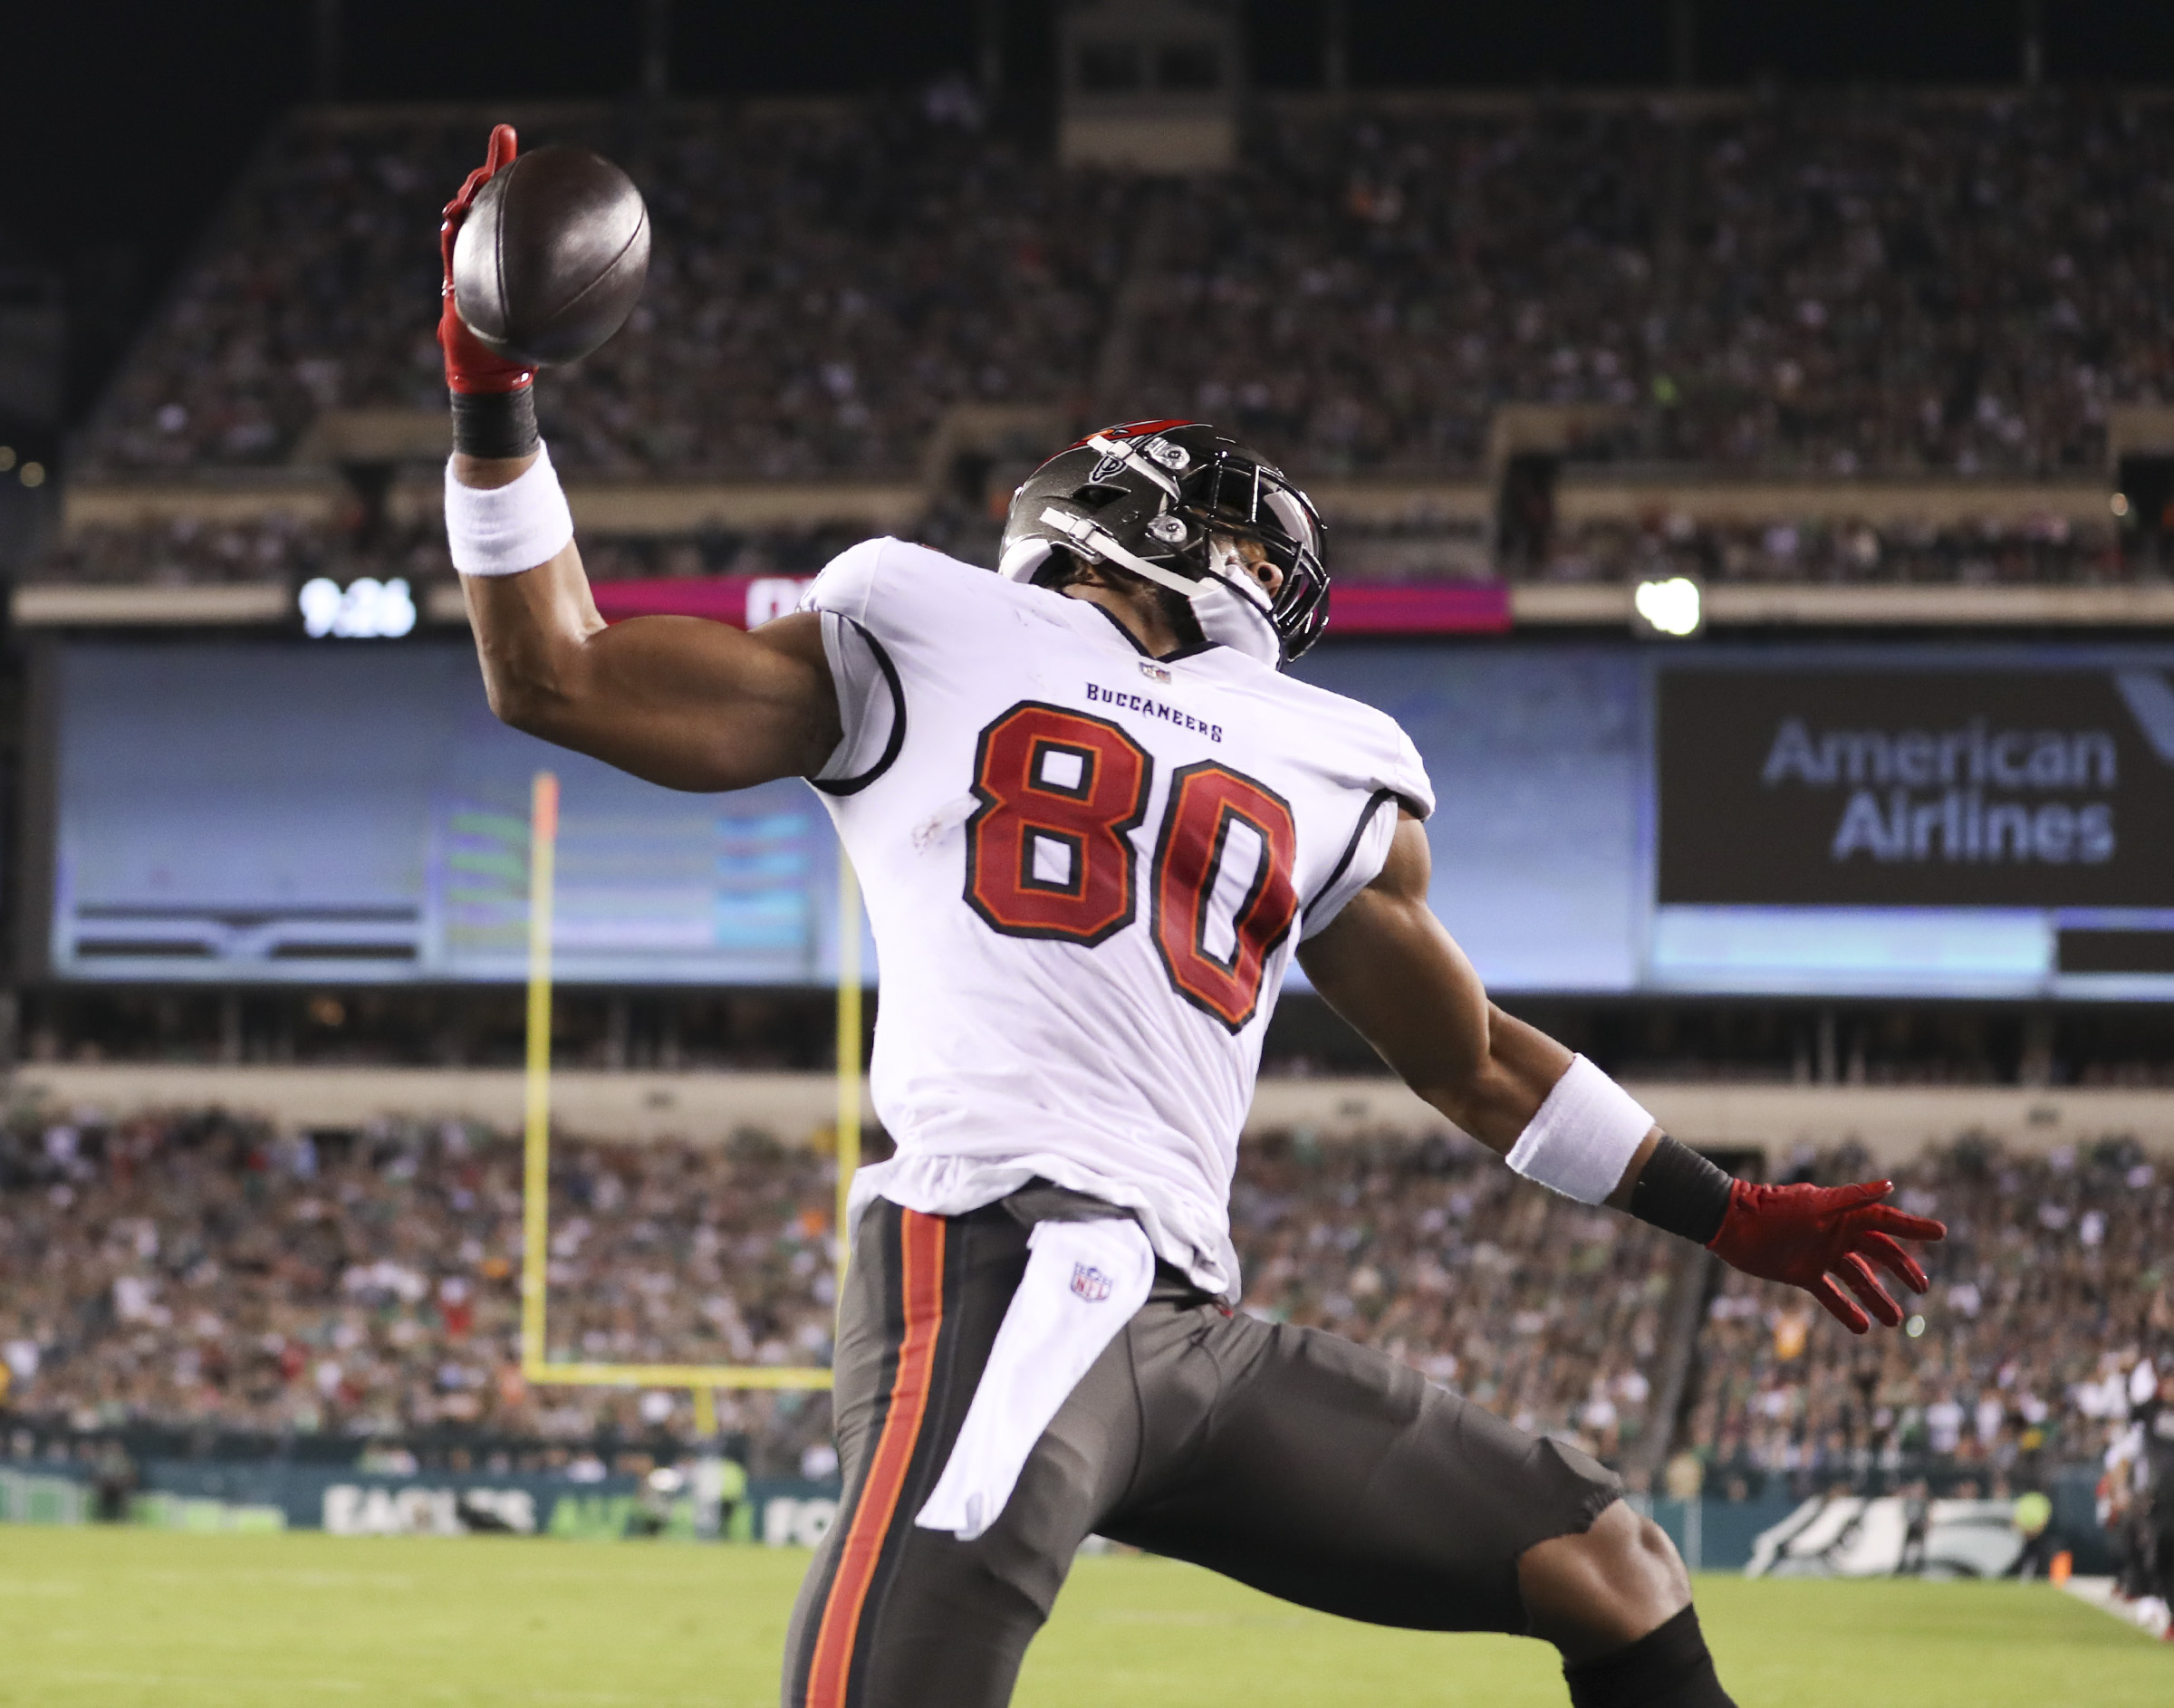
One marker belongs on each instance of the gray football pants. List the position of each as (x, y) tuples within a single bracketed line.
[(1290, 1459)]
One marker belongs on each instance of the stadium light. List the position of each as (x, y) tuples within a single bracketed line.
[(1674, 607)]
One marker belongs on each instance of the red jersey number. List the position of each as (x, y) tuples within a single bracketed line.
[(1224, 897), (1046, 852), (1049, 854)]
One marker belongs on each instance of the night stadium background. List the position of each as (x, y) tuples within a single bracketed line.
[(1746, 435)]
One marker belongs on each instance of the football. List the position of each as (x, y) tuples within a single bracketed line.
[(552, 259)]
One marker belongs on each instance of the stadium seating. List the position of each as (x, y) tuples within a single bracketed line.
[(1799, 288), (2033, 551), (194, 1269), (1764, 286), (280, 549), (199, 1271), (1880, 283), (1880, 286), (2052, 1282), (825, 282)]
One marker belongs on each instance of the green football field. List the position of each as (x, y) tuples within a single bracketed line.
[(123, 1619)]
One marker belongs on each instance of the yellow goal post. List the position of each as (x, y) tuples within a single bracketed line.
[(704, 1379)]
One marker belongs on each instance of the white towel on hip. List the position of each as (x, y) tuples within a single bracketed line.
[(1083, 1281)]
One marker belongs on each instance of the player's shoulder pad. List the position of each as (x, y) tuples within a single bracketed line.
[(1381, 755), (862, 580)]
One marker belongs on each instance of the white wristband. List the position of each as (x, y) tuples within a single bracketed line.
[(504, 530), (1583, 1138)]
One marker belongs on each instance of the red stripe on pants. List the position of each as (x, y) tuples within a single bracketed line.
[(921, 1249)]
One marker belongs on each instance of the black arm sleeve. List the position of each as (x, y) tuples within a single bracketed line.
[(1679, 1191)]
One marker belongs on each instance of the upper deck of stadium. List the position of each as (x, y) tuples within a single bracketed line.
[(1819, 337)]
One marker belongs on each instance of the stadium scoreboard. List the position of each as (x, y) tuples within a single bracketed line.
[(1871, 820), (258, 813)]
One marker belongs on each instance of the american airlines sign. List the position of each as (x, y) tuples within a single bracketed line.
[(1928, 787)]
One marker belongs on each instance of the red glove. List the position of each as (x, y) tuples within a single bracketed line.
[(1807, 1235), (470, 365)]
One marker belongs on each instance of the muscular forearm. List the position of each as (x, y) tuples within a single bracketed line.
[(1493, 1095), (532, 625), (674, 700), (1496, 1099), (686, 704), (1388, 967), (531, 633)]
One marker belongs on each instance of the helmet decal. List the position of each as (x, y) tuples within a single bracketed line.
[(1137, 430)]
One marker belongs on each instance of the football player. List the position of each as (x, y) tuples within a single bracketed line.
[(1096, 822)]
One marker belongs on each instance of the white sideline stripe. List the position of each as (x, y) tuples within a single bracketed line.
[(2099, 1592), (647, 1699)]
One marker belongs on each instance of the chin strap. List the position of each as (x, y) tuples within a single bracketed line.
[(1216, 599), (1097, 542)]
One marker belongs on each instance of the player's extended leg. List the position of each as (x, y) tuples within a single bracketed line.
[(892, 1616), (1617, 1602), (1334, 1476)]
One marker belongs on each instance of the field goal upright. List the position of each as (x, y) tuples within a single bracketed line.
[(704, 1379)]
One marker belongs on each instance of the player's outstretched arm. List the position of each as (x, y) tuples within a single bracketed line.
[(676, 700), (1387, 965), (680, 702)]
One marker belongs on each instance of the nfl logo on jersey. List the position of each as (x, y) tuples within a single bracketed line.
[(1090, 1283)]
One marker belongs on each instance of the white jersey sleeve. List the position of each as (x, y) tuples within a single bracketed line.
[(871, 704), (1396, 785)]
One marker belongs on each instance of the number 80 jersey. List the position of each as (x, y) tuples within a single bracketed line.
[(1087, 870)]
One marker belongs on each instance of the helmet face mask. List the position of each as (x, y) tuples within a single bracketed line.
[(1156, 498)]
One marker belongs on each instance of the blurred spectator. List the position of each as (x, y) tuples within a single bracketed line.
[(198, 1269), (2049, 1290), (195, 1269), (2034, 1522), (823, 286), (2034, 551), (1883, 283)]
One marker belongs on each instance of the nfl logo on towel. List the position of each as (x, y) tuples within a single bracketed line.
[(1090, 1283)]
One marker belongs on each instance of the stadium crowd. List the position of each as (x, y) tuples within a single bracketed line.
[(280, 551), (824, 283), (199, 1269), (2035, 550), (1961, 285), (2052, 1285), (1805, 283)]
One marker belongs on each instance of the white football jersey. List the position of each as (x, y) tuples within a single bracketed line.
[(1086, 870)]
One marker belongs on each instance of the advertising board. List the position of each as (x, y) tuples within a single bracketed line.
[(1915, 787), (1945, 821), (1979, 821)]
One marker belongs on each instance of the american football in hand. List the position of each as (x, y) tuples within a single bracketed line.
[(551, 258)]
